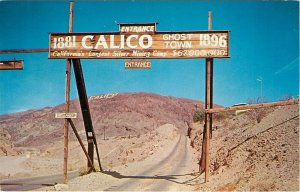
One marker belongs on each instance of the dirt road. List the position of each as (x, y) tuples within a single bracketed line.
[(169, 172), (173, 167)]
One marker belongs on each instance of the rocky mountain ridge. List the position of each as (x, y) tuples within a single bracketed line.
[(118, 114)]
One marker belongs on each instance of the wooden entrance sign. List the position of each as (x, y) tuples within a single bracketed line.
[(140, 41), (11, 65)]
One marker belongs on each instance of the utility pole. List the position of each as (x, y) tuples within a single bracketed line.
[(104, 133), (196, 107)]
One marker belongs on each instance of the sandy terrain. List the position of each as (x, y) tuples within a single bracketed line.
[(150, 152), (159, 159), (247, 155), (169, 165), (17, 162)]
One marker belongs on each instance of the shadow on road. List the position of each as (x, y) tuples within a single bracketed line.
[(171, 178), (28, 184)]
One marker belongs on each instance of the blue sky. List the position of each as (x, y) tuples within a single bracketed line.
[(264, 43)]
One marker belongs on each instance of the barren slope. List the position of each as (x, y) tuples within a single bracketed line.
[(247, 155), (120, 115), (146, 146), (130, 119)]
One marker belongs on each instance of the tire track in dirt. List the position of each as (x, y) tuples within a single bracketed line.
[(133, 181), (168, 174), (176, 164)]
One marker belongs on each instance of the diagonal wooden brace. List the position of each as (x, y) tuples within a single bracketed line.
[(81, 144)]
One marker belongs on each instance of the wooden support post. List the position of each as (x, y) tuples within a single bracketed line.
[(81, 143), (66, 124), (208, 104), (85, 109), (67, 100), (86, 115), (90, 153)]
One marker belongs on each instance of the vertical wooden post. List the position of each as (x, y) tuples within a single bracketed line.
[(67, 100), (208, 103), (104, 133)]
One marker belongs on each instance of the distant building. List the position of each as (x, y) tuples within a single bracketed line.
[(237, 112)]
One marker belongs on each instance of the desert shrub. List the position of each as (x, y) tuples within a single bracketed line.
[(257, 114), (257, 100), (223, 115), (199, 115), (286, 98)]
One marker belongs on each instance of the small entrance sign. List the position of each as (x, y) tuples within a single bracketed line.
[(11, 65), (65, 115), (137, 64)]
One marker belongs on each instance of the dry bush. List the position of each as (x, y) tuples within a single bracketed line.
[(257, 114), (223, 115), (286, 98), (199, 115)]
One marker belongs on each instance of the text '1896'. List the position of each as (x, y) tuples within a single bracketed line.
[(143, 42)]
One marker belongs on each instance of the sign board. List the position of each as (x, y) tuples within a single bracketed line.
[(11, 65), (65, 115), (140, 41), (137, 64)]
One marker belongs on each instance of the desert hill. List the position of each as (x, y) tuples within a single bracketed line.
[(257, 150), (251, 155), (120, 114)]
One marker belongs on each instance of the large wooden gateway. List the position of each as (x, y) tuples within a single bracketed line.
[(135, 41)]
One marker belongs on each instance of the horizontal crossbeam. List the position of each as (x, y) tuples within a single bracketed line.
[(24, 50), (253, 106)]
